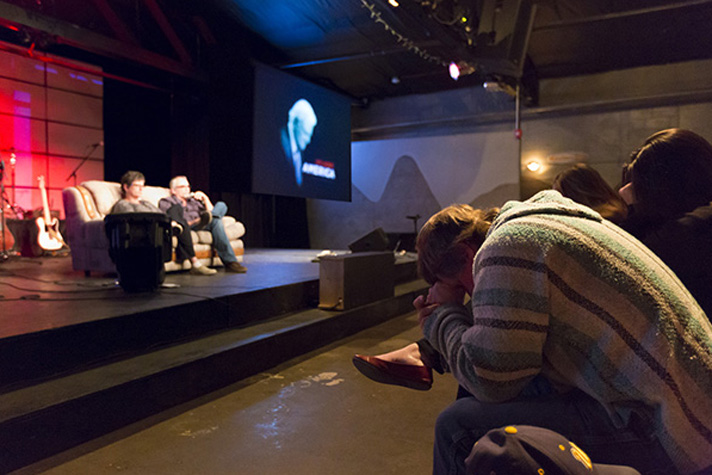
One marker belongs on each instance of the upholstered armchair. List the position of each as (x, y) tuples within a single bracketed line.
[(85, 207)]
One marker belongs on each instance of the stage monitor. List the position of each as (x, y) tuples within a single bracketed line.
[(301, 138)]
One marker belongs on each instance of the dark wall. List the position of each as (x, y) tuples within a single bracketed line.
[(137, 132), (270, 221), (205, 133)]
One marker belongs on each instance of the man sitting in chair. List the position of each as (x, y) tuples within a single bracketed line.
[(132, 183), (198, 212)]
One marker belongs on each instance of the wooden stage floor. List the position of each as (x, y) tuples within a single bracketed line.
[(45, 293)]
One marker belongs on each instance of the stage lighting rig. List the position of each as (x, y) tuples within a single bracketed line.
[(459, 16)]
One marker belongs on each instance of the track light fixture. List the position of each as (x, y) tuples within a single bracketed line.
[(461, 68)]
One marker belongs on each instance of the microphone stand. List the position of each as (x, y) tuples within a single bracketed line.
[(84, 160)]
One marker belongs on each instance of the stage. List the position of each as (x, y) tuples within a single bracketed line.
[(72, 346)]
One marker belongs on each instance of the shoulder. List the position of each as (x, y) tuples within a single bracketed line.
[(121, 206), (150, 206), (166, 202)]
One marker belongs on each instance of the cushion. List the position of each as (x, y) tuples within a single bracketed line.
[(105, 194), (153, 194)]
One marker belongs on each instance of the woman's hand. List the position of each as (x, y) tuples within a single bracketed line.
[(424, 308), (446, 293), (438, 294)]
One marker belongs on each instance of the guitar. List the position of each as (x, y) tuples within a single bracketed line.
[(7, 240), (48, 236)]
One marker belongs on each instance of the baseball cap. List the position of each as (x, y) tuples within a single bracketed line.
[(520, 450)]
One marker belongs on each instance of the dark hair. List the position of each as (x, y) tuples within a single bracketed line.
[(585, 185), (128, 178), (671, 174), (438, 239)]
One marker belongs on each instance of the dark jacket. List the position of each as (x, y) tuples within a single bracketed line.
[(685, 245)]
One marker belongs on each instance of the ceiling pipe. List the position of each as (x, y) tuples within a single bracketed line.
[(355, 57)]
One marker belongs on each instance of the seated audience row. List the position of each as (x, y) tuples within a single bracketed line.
[(574, 325)]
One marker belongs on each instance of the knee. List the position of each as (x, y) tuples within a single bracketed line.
[(461, 419), (219, 209), (447, 423)]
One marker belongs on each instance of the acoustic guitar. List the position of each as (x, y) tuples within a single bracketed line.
[(48, 236)]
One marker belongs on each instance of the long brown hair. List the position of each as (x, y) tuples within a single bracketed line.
[(585, 185), (671, 174)]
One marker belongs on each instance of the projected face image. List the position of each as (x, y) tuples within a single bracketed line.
[(300, 138), (301, 121)]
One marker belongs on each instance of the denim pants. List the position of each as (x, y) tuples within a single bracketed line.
[(575, 415), (217, 229)]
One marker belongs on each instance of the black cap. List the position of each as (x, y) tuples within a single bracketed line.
[(519, 450)]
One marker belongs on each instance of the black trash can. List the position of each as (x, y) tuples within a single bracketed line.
[(139, 244)]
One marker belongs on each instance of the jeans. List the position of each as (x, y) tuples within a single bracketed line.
[(217, 229), (574, 415)]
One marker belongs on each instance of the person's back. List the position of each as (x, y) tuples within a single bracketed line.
[(561, 293), (669, 187)]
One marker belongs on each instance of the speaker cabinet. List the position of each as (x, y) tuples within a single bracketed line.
[(376, 240), (352, 280)]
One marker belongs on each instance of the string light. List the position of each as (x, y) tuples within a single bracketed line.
[(400, 39)]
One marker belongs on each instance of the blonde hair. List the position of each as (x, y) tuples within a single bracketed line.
[(439, 253)]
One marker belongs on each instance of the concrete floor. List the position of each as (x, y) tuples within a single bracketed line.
[(312, 415)]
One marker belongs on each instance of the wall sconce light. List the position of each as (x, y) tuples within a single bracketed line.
[(533, 166)]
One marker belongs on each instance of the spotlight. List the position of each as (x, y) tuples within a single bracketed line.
[(395, 80), (498, 86), (454, 71), (462, 68), (393, 3)]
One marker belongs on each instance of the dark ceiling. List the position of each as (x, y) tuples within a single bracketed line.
[(369, 49)]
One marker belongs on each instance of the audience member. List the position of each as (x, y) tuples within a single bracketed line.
[(412, 365), (668, 185), (573, 327), (132, 184), (198, 212), (585, 185)]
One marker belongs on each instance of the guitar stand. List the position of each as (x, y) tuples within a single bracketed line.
[(4, 254)]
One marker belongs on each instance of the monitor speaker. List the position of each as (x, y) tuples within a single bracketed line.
[(376, 240)]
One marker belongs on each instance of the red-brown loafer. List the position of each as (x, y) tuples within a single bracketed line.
[(400, 374)]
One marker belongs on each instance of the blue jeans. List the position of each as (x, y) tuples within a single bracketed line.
[(217, 229), (575, 415)]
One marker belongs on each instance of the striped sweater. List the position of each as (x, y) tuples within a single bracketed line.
[(563, 293)]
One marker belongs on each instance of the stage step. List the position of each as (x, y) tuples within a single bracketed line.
[(46, 418)]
